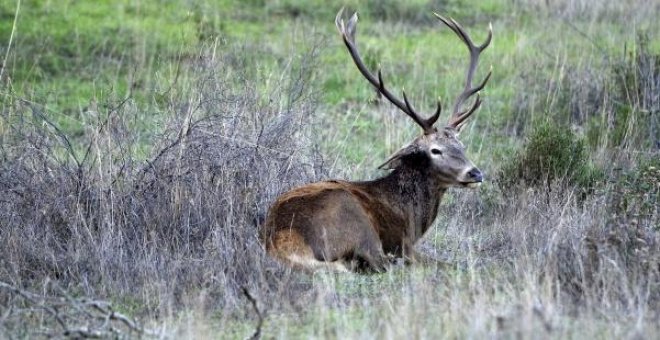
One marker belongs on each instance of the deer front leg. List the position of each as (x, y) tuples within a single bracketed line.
[(370, 256), (410, 255)]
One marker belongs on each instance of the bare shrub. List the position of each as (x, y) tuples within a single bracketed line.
[(181, 225)]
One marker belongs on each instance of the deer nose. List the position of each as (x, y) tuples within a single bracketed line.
[(475, 175)]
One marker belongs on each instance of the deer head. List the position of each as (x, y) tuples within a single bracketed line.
[(437, 152)]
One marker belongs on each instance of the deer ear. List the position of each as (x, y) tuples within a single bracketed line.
[(452, 132), (396, 159)]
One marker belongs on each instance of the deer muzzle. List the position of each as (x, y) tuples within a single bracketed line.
[(473, 178)]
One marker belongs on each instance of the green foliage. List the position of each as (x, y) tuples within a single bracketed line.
[(552, 153)]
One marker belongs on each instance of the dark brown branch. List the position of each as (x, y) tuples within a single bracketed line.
[(260, 318)]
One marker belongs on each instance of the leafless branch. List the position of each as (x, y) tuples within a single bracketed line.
[(260, 317), (75, 317)]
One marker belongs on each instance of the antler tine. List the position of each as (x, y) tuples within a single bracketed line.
[(461, 118), (347, 31), (431, 120), (457, 118)]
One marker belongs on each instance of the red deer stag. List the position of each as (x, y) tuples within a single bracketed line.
[(361, 226)]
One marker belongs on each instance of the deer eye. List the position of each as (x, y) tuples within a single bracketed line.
[(436, 151)]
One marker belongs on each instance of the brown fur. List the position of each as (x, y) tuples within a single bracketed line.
[(340, 225)]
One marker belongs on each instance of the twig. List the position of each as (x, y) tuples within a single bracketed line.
[(70, 313), (58, 132), (112, 315), (32, 299), (103, 125), (260, 318)]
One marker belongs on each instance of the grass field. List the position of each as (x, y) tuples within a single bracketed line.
[(141, 143)]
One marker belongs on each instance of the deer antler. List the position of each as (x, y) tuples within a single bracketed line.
[(347, 31), (458, 117)]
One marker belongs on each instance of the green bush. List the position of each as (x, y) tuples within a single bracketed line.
[(552, 153)]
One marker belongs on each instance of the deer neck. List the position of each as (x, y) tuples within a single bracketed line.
[(414, 195)]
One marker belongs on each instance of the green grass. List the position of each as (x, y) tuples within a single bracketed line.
[(69, 53)]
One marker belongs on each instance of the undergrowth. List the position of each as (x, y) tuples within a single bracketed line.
[(98, 222)]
